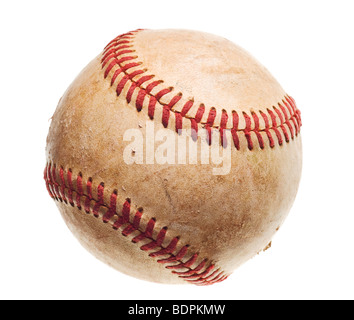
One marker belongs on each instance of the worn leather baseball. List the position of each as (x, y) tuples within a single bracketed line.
[(171, 222)]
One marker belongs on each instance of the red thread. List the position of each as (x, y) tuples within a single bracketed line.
[(247, 131), (256, 130), (287, 123), (56, 185), (167, 108), (178, 121), (109, 68), (194, 129), (274, 128), (209, 124), (187, 107), (79, 190), (187, 264), (134, 85), (151, 107), (269, 135), (211, 117), (112, 208), (46, 179), (140, 99), (113, 55), (168, 250), (165, 116), (285, 133), (223, 123), (122, 70), (100, 200), (234, 130), (89, 195), (200, 274), (162, 93), (209, 134), (148, 231), (114, 43), (62, 181), (158, 242), (193, 271), (199, 115), (180, 255), (125, 215), (125, 79), (131, 91), (132, 227), (152, 85), (70, 189)]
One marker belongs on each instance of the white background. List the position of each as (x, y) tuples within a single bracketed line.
[(307, 45)]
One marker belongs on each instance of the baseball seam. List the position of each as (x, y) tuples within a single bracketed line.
[(120, 62), (60, 186)]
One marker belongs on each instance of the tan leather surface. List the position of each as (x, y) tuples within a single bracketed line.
[(225, 219), (223, 75)]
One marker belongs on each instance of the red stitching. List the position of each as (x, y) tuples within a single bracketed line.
[(248, 130), (87, 203), (199, 114), (187, 107), (191, 272), (267, 127), (257, 130), (223, 123), (194, 127), (187, 264), (282, 123), (211, 117), (62, 181), (100, 200), (56, 185), (123, 70), (234, 130), (178, 120), (151, 107), (132, 227), (177, 257), (210, 123), (166, 111), (134, 85), (112, 53), (202, 274), (117, 52), (46, 179), (79, 191), (112, 207), (125, 79), (70, 189)]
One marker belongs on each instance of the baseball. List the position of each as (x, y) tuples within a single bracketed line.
[(174, 156)]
